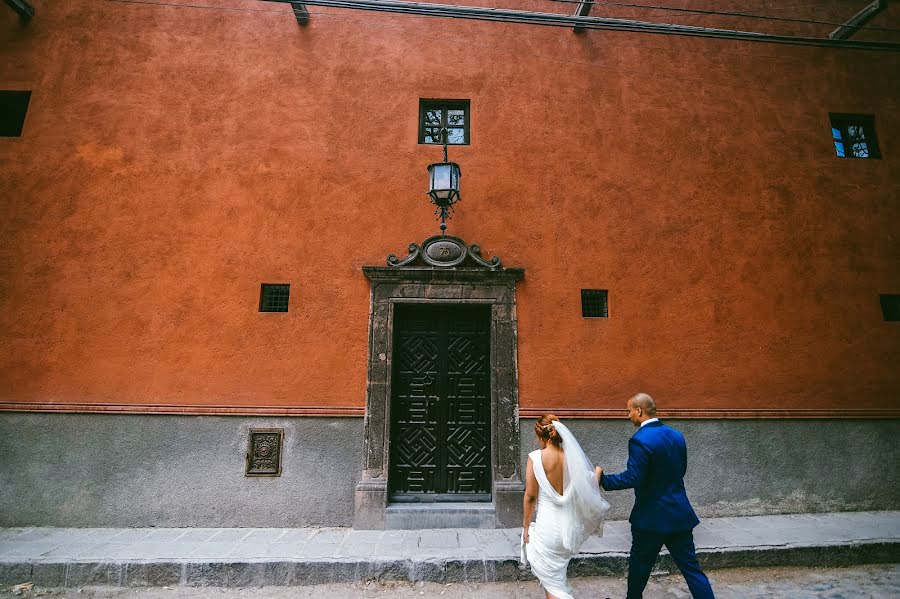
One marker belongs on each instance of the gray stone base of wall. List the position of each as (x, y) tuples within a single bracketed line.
[(759, 467), (93, 470), (124, 470)]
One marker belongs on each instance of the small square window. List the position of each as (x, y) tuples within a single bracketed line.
[(594, 303), (854, 135), (890, 307), (13, 106), (434, 115), (274, 297)]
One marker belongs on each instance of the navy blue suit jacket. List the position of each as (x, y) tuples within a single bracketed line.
[(657, 461)]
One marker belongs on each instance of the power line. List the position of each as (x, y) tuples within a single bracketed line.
[(722, 13), (366, 22), (558, 20)]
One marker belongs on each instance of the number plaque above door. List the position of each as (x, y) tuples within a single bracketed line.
[(444, 250)]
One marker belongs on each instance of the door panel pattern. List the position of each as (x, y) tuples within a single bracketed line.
[(440, 405)]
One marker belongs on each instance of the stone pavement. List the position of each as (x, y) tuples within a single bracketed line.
[(243, 557)]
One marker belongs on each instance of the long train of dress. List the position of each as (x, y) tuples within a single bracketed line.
[(546, 554), (557, 526)]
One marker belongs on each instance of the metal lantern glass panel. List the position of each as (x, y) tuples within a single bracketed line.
[(444, 183)]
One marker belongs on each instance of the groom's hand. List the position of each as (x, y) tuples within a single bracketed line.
[(598, 472)]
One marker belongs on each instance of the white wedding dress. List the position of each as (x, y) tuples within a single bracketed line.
[(564, 521)]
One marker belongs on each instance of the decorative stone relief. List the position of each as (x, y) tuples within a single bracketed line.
[(264, 454), (444, 251)]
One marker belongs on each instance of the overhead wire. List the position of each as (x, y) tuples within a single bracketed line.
[(559, 20), (723, 13), (585, 22), (366, 22)]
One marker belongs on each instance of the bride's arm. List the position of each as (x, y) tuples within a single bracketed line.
[(530, 498)]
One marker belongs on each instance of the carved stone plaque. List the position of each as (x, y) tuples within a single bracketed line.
[(264, 453)]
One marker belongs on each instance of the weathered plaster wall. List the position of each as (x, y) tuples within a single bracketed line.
[(751, 467), (134, 470), (175, 158)]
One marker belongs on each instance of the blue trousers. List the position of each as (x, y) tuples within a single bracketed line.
[(645, 548)]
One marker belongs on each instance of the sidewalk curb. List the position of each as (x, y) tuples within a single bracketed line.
[(282, 572)]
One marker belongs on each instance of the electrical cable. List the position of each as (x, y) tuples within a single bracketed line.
[(724, 14), (558, 20), (367, 22)]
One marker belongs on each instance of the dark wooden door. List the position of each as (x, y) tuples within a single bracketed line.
[(441, 404)]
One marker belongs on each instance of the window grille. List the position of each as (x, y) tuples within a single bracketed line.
[(436, 114), (890, 307), (854, 136), (594, 303), (13, 106), (274, 297)]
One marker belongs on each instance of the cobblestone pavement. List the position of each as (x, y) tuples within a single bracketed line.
[(859, 582)]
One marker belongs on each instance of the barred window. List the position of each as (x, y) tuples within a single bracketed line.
[(854, 136), (274, 297), (890, 307), (594, 303), (437, 114), (13, 106)]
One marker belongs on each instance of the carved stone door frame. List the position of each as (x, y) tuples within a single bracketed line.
[(443, 270)]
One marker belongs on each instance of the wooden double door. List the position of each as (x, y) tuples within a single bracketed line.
[(440, 431)]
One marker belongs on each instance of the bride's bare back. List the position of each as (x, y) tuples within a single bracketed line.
[(552, 458)]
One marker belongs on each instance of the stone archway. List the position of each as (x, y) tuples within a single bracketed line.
[(443, 270)]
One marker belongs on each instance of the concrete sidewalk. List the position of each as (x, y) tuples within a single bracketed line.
[(243, 557)]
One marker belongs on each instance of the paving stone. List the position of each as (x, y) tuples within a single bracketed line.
[(27, 549), (230, 535), (247, 574), (281, 573), (14, 572), (131, 535), (438, 539), (205, 574), (94, 574), (48, 574), (280, 557), (387, 570), (152, 574), (195, 535), (213, 550), (264, 535)]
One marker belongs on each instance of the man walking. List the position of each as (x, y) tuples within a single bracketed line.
[(662, 514)]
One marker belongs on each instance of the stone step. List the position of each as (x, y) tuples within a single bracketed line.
[(415, 516)]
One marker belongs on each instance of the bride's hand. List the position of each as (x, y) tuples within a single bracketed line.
[(525, 536)]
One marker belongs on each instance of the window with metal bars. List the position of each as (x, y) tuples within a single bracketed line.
[(437, 114), (890, 307), (854, 135), (274, 297), (13, 106), (594, 303)]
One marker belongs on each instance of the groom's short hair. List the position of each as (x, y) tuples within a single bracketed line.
[(644, 402)]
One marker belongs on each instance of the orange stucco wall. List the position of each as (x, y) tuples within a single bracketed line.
[(175, 158)]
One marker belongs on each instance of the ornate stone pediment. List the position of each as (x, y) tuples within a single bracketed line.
[(444, 251)]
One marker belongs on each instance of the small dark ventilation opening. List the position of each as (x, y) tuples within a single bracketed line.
[(594, 303), (274, 297), (890, 307), (13, 106)]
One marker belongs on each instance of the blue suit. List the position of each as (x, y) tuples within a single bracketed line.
[(662, 514)]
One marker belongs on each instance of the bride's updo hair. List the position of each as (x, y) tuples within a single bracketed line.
[(544, 429)]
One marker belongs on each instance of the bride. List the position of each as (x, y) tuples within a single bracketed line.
[(561, 480)]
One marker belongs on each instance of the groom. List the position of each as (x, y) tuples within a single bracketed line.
[(662, 514)]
